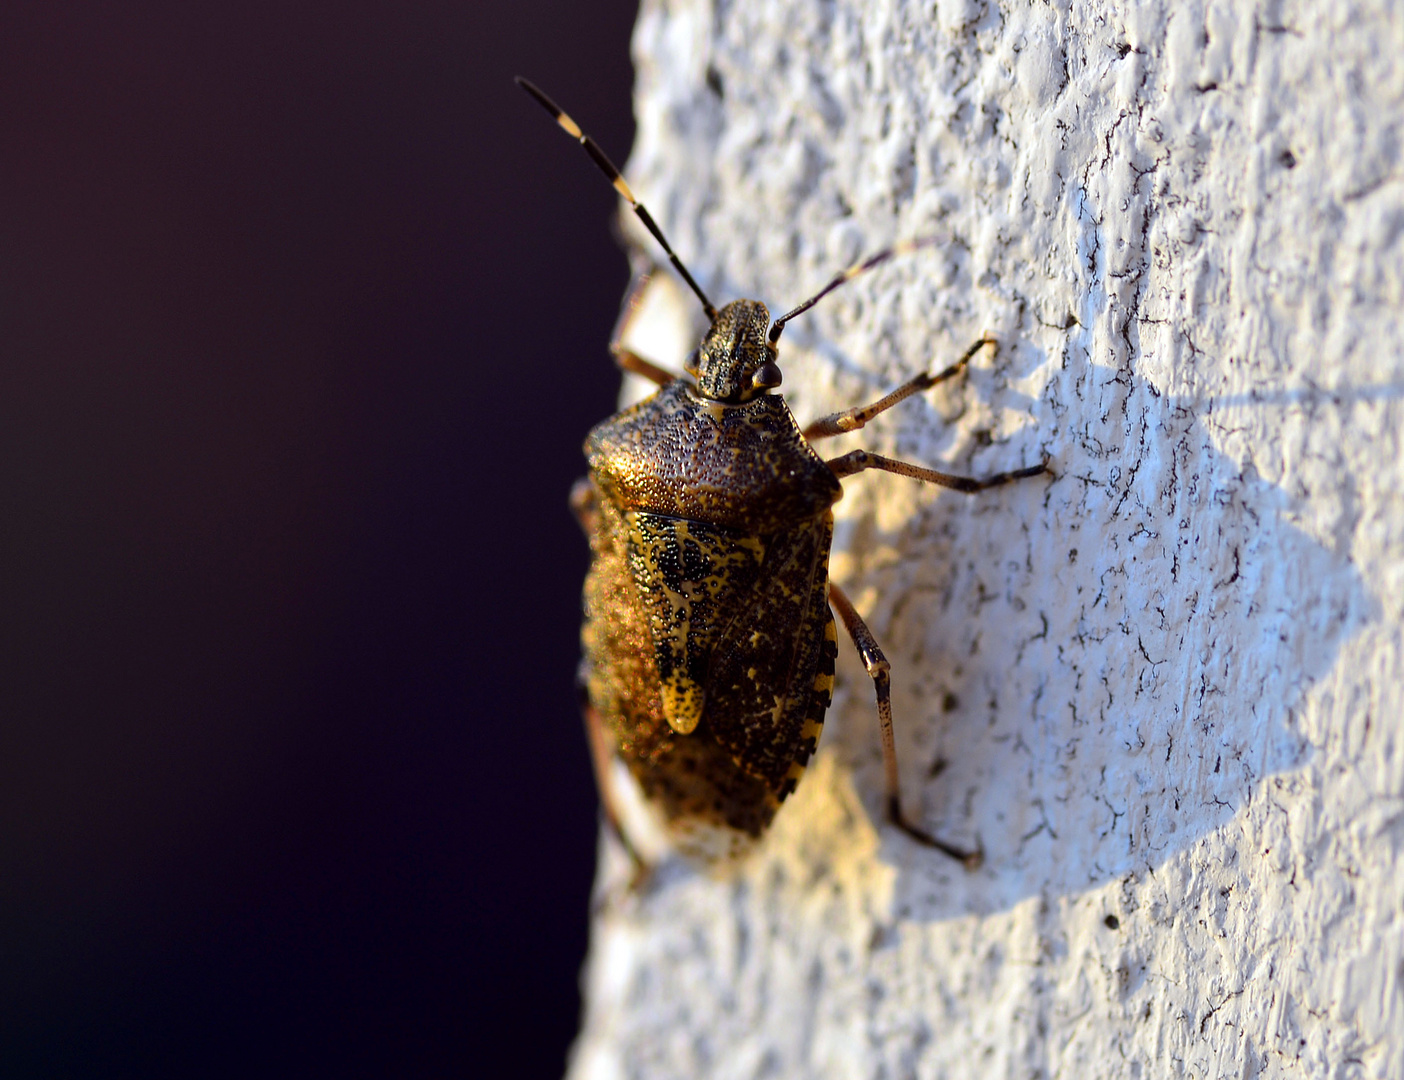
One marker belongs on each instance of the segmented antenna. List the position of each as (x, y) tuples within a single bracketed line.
[(597, 155), (906, 246)]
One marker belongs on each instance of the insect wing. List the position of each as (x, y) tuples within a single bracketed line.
[(773, 674), (692, 578)]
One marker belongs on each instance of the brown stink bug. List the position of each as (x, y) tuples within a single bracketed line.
[(709, 636)]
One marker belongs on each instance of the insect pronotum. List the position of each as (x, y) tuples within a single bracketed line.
[(709, 636)]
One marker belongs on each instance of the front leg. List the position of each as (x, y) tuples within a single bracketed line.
[(853, 419)]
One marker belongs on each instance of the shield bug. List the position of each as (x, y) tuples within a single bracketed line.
[(709, 636)]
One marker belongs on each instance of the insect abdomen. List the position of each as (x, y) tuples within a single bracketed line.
[(767, 687), (772, 677)]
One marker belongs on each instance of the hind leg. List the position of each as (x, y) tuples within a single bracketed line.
[(878, 668), (602, 757)]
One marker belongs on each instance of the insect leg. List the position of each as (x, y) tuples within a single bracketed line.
[(858, 460), (626, 358), (853, 419), (878, 669), (583, 505), (602, 757)]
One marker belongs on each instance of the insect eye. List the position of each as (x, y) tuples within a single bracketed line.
[(767, 376), (690, 364)]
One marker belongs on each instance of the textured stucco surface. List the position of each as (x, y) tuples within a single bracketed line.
[(1168, 683)]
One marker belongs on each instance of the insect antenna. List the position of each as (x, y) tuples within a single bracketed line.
[(606, 166), (906, 246)]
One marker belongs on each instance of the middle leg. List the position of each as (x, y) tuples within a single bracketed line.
[(858, 460)]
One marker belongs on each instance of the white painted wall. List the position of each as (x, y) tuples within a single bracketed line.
[(1168, 684)]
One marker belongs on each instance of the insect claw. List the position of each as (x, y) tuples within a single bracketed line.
[(971, 860)]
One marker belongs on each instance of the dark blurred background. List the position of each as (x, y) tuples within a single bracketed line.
[(303, 312)]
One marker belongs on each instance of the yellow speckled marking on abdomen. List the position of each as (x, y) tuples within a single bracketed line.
[(820, 698)]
